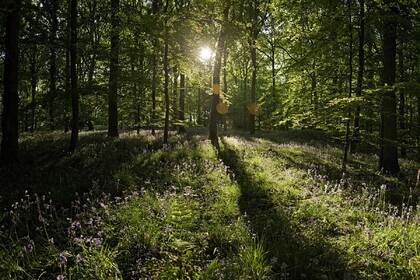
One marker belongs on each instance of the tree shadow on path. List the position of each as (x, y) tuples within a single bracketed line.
[(292, 255)]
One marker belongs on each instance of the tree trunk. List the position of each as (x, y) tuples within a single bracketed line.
[(114, 71), (402, 100), (254, 34), (53, 62), (273, 76), (10, 123), (199, 93), (389, 149), (67, 83), (347, 140), (175, 95), (166, 87), (215, 98), (181, 128), (73, 77), (356, 134), (225, 82), (155, 11), (34, 82), (418, 128)]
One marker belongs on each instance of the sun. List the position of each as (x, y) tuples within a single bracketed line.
[(206, 53)]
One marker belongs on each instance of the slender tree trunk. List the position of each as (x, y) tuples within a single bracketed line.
[(356, 134), (166, 87), (225, 81), (73, 77), (67, 82), (175, 95), (254, 34), (314, 91), (114, 71), (389, 149), (155, 10), (154, 89), (273, 76), (34, 82), (140, 93), (199, 93), (347, 140), (402, 100), (181, 128), (418, 128), (53, 63), (215, 98), (10, 128)]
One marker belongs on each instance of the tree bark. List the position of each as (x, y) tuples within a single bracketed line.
[(254, 34), (356, 133), (73, 77), (389, 149), (155, 9), (53, 62), (175, 97), (418, 128), (166, 87), (215, 98), (181, 117), (10, 122), (402, 100), (114, 71), (347, 140), (34, 82)]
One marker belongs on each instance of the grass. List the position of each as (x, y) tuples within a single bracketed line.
[(271, 207)]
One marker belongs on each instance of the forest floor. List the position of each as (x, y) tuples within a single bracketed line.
[(273, 206)]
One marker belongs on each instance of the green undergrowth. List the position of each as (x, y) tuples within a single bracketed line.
[(258, 208), (316, 227)]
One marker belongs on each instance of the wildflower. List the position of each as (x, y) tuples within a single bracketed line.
[(60, 277), (63, 258), (97, 241), (29, 247), (75, 224), (77, 240), (79, 258)]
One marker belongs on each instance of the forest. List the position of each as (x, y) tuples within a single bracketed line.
[(210, 139)]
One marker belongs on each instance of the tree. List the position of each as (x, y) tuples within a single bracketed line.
[(73, 77), (347, 139), (181, 117), (360, 72), (114, 71), (10, 129), (253, 49), (215, 98), (388, 161), (53, 7), (166, 85)]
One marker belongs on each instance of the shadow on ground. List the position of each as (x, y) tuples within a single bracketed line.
[(45, 166), (293, 256)]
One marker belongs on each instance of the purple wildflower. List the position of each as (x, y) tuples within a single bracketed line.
[(79, 258)]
